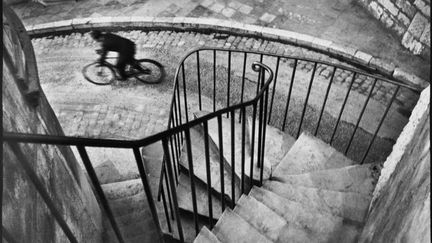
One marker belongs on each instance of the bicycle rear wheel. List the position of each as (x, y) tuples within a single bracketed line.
[(98, 74), (153, 73)]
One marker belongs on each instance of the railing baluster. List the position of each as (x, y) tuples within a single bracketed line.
[(199, 80), (229, 80), (147, 190), (243, 112), (307, 98), (260, 125), (168, 188), (264, 133), (179, 107), (342, 108), (380, 124), (221, 161), (44, 194), (214, 80), (192, 178), (259, 76), (289, 93), (252, 144), (173, 193), (184, 93), (232, 160), (325, 101), (166, 210), (274, 89), (209, 185), (360, 116), (243, 80), (173, 158)]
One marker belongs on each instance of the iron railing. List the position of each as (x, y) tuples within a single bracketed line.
[(217, 80), (196, 88), (166, 137)]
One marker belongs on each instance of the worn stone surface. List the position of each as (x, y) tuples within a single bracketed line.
[(400, 209), (206, 236), (409, 20), (356, 178), (25, 214), (225, 231), (325, 226), (308, 154)]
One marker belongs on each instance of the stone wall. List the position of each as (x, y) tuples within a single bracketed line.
[(25, 215), (408, 19), (400, 209)]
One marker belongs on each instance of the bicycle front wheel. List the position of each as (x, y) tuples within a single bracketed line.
[(98, 74), (151, 72)]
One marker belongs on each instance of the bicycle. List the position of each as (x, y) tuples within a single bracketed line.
[(152, 72)]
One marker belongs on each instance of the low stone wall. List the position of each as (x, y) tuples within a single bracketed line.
[(408, 19), (25, 214), (400, 208)]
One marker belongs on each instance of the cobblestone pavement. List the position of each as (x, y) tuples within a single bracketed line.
[(135, 111), (341, 21)]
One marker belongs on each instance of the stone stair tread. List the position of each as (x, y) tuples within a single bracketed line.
[(206, 236), (233, 228), (349, 205), (143, 238), (184, 197), (269, 223), (122, 189), (310, 154), (199, 164), (140, 227), (355, 178), (322, 225), (130, 204), (113, 164), (277, 143), (226, 137)]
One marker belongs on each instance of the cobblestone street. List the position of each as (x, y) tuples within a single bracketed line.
[(134, 111)]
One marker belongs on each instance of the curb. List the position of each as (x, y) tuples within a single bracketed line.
[(343, 52)]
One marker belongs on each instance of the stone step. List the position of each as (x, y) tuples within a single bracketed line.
[(206, 236), (233, 228), (199, 164), (130, 204), (226, 142), (184, 197), (143, 227), (310, 154), (261, 217), (112, 164), (322, 225), (122, 189), (277, 143), (356, 178), (269, 223), (349, 205)]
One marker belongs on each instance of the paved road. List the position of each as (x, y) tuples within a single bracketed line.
[(341, 21)]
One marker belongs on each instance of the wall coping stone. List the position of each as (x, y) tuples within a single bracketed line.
[(346, 53)]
